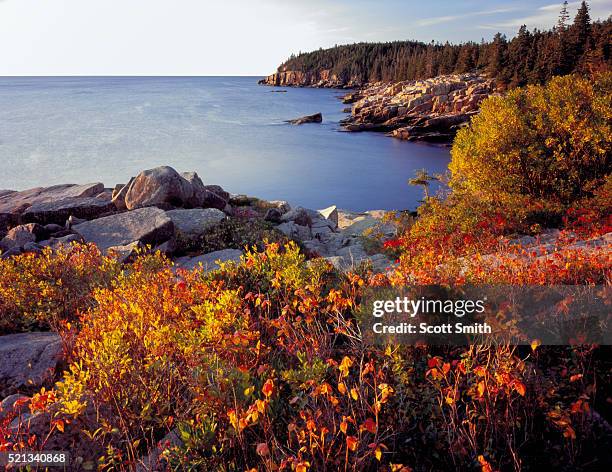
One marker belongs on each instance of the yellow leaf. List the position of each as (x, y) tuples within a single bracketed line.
[(378, 453), (344, 366), (481, 388)]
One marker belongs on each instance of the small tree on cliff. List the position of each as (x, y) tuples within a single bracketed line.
[(422, 179)]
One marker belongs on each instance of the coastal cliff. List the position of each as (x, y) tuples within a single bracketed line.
[(430, 110), (322, 78)]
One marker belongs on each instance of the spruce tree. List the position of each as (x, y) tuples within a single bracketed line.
[(580, 33), (498, 58), (563, 18)]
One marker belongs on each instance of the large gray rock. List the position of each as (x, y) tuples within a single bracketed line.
[(52, 228), (148, 225), (165, 188), (32, 248), (16, 202), (217, 189), (356, 224), (12, 203), (19, 236), (190, 224), (321, 228), (4, 193), (207, 196), (162, 186), (300, 216), (295, 231), (198, 189), (273, 215), (213, 197), (28, 361), (60, 210), (208, 261)]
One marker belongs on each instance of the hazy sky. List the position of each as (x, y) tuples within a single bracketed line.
[(235, 37)]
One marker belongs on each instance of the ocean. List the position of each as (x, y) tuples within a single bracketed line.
[(228, 129)]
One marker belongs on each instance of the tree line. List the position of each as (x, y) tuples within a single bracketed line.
[(531, 57)]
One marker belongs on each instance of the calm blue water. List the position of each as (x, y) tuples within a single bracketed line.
[(228, 129)]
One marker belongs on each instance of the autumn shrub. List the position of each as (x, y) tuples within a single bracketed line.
[(234, 233), (261, 365), (39, 291), (592, 215), (255, 364), (533, 159), (551, 141)]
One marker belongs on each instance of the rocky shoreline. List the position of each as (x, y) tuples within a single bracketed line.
[(172, 212), (430, 110), (165, 211), (318, 79)]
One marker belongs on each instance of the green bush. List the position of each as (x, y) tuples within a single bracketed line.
[(549, 142)]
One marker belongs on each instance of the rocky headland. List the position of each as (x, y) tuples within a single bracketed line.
[(323, 78), (428, 110), (431, 110)]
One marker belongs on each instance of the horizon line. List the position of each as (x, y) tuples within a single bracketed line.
[(7, 76)]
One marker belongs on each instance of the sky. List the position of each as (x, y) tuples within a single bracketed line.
[(237, 37)]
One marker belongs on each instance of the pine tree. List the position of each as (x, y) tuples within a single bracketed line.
[(465, 61), (519, 59), (580, 34), (498, 58), (563, 18)]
